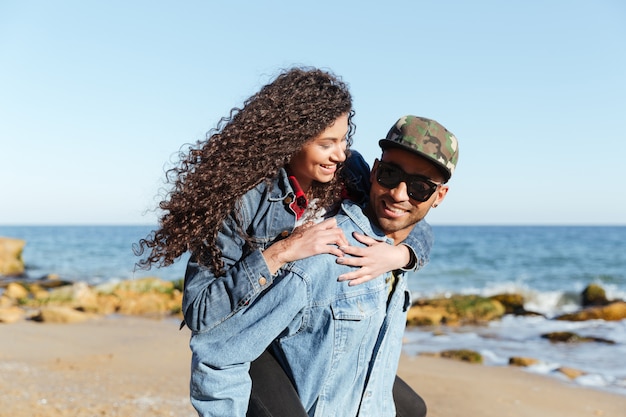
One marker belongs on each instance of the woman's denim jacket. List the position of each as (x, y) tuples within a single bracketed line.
[(264, 213), (339, 344)]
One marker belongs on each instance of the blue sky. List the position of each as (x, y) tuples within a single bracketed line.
[(96, 97)]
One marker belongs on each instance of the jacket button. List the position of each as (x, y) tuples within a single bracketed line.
[(288, 200), (262, 281), (284, 233)]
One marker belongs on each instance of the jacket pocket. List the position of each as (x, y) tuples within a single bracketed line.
[(357, 307)]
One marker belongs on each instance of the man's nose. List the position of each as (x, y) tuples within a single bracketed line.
[(400, 192)]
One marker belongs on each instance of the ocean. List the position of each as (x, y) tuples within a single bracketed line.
[(549, 265)]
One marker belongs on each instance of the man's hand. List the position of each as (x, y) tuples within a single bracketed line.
[(375, 259)]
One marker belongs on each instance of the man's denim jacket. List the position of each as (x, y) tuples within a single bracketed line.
[(264, 213), (339, 344)]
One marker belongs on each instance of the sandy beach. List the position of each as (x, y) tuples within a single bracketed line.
[(129, 366)]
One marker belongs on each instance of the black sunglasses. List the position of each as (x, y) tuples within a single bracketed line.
[(419, 187)]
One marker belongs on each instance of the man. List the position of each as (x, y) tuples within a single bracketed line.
[(339, 344)]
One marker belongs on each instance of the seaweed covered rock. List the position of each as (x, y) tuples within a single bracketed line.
[(79, 301), (570, 337), (614, 311), (522, 361), (513, 303), (458, 309), (594, 295), (464, 355)]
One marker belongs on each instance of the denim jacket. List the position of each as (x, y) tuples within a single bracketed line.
[(264, 213), (339, 344)]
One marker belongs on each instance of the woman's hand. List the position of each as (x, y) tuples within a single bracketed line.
[(307, 240), (374, 259)]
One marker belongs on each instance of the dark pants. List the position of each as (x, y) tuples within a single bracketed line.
[(273, 395)]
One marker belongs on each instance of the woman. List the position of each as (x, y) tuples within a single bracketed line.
[(238, 198)]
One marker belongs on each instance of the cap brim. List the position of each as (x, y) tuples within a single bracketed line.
[(386, 143)]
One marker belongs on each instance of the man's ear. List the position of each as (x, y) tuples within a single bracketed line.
[(441, 192)]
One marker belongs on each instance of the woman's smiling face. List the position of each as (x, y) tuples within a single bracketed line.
[(319, 157)]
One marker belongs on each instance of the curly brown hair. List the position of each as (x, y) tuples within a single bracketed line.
[(246, 148)]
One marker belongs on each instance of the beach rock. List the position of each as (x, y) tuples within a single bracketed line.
[(11, 263), (425, 315), (570, 337), (16, 291), (464, 355), (148, 296), (144, 285), (38, 293), (85, 298), (62, 295), (613, 311), (571, 373), (523, 362), (107, 304), (7, 301), (78, 295), (594, 295), (52, 281), (458, 309), (514, 304), (11, 314), (61, 314), (148, 304)]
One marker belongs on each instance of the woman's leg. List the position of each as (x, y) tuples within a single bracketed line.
[(408, 402), (272, 394)]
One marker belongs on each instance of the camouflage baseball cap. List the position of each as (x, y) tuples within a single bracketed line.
[(426, 138)]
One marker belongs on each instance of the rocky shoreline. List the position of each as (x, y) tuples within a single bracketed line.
[(50, 299)]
